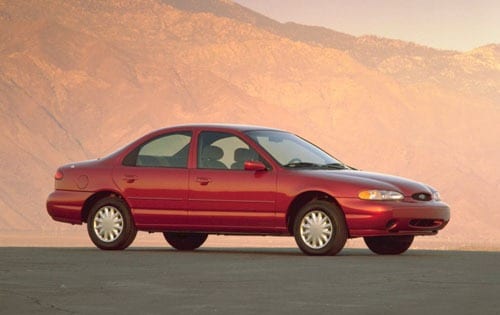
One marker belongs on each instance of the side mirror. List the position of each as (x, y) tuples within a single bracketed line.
[(254, 166)]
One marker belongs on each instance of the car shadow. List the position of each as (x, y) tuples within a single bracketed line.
[(291, 251), (278, 251), (271, 251)]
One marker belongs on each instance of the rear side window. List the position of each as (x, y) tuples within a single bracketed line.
[(170, 150)]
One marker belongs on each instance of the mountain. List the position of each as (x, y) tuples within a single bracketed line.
[(78, 79), (406, 61)]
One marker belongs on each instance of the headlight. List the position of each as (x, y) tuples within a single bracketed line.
[(380, 195), (436, 196)]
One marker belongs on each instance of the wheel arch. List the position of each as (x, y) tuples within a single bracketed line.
[(303, 198), (87, 205)]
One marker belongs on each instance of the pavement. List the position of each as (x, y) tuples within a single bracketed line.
[(246, 281)]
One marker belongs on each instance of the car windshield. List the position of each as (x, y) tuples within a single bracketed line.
[(292, 151)]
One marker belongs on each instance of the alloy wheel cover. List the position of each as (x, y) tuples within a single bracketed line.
[(316, 229), (108, 224)]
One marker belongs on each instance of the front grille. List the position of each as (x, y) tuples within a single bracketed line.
[(422, 196)]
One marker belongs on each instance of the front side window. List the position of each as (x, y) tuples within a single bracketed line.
[(219, 150), (170, 150)]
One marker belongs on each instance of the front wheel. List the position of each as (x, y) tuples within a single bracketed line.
[(389, 245), (110, 225), (320, 229), (185, 241)]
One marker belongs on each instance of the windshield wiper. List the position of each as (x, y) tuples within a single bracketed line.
[(302, 164), (332, 166), (335, 166)]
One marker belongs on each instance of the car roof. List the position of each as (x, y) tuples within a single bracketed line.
[(238, 127), (186, 127)]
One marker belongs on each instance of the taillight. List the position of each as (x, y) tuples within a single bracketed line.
[(59, 175)]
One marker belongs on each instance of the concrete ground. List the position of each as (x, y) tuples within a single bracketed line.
[(246, 281)]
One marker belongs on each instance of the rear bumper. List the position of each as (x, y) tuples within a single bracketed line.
[(66, 206), (372, 218)]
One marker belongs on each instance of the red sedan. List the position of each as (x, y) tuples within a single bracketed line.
[(193, 180)]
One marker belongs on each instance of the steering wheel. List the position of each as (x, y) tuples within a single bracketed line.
[(295, 160)]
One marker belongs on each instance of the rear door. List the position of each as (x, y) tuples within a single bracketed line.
[(154, 179)]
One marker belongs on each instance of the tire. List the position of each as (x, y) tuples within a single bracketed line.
[(110, 225), (320, 229), (185, 241), (389, 245)]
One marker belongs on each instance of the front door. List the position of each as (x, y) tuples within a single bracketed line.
[(222, 195)]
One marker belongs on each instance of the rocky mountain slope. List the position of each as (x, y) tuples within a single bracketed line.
[(78, 79)]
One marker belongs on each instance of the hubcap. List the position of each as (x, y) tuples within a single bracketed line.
[(108, 224), (316, 229)]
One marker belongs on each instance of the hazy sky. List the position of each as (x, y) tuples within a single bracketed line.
[(445, 24)]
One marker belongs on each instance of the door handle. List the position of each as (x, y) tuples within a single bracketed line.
[(129, 178), (203, 180)]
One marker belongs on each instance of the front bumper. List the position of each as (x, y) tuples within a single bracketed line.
[(376, 218)]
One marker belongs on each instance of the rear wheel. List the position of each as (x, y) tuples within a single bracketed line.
[(185, 241), (320, 228), (389, 245), (110, 225)]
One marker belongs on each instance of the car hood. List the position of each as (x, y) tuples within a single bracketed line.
[(370, 180)]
